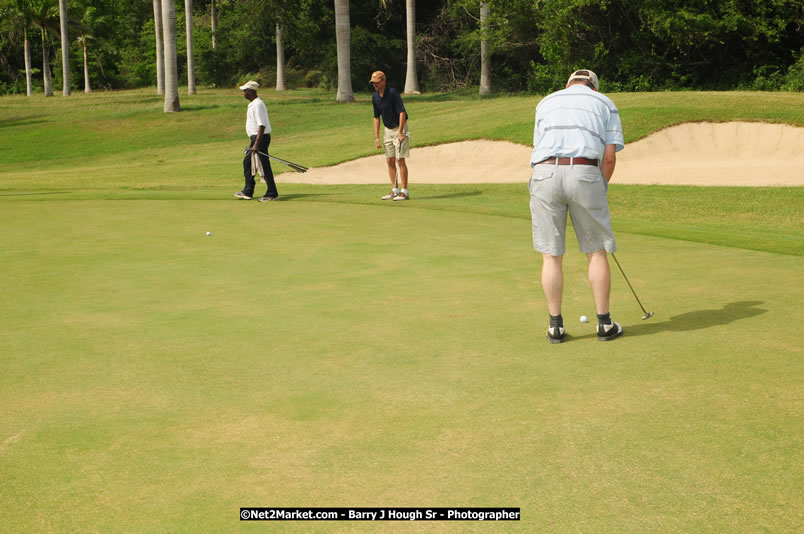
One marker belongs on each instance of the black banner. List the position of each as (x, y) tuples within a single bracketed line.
[(378, 514)]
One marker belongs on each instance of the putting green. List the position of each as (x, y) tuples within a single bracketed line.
[(322, 354)]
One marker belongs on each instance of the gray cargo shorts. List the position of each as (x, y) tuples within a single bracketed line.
[(581, 189)]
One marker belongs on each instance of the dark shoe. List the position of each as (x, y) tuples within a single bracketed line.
[(556, 334), (607, 332), (267, 198), (241, 195)]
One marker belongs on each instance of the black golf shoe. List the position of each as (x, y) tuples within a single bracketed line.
[(607, 332), (556, 334)]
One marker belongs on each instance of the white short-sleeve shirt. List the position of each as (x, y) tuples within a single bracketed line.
[(257, 116)]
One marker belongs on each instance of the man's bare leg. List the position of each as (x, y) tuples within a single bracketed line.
[(553, 282), (600, 279)]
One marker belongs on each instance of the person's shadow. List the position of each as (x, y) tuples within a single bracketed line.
[(700, 319), (694, 320)]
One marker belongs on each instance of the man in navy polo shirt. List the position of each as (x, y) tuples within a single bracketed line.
[(396, 140)]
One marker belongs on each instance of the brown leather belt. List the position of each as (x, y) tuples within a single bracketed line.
[(568, 161)]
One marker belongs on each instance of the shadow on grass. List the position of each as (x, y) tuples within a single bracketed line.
[(33, 193), (199, 107), (700, 319), (690, 321), (23, 121), (294, 196), (452, 195)]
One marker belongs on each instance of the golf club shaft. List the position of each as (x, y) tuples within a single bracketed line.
[(629, 283), (295, 166), (396, 168)]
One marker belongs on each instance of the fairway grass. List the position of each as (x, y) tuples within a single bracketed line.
[(322, 354)]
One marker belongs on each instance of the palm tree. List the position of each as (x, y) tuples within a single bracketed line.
[(188, 10), (160, 48), (83, 40), (24, 10), (342, 38), (65, 49), (44, 15), (485, 79), (213, 22), (281, 84), (171, 72), (86, 29), (411, 79)]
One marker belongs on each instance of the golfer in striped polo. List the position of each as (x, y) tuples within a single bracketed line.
[(575, 140)]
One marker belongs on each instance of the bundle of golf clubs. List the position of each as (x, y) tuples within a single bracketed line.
[(295, 166)]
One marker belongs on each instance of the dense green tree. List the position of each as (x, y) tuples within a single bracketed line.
[(530, 44)]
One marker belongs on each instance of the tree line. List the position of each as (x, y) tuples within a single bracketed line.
[(496, 45)]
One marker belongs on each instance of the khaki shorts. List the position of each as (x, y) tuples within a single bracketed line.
[(390, 141), (579, 189)]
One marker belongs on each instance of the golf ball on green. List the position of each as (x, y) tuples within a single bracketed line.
[(584, 319), (209, 233)]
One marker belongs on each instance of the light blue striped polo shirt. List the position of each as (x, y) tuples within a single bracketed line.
[(575, 122)]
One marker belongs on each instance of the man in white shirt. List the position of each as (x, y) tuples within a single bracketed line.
[(575, 140), (258, 128)]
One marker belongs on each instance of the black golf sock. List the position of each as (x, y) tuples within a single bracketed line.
[(556, 320), (604, 318)]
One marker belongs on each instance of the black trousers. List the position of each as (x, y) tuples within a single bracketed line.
[(266, 167)]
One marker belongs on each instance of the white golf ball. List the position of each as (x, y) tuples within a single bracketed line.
[(209, 233), (584, 319)]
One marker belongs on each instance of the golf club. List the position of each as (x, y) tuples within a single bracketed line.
[(648, 314), (295, 166), (396, 168)]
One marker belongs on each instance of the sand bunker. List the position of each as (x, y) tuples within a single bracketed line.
[(731, 153)]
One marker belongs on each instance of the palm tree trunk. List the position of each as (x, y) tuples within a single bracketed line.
[(171, 64), (87, 88), (214, 22), (29, 90), (485, 79), (281, 84), (188, 9), (160, 48), (342, 38), (65, 49), (411, 79), (46, 79)]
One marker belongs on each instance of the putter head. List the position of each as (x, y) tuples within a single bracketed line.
[(647, 316)]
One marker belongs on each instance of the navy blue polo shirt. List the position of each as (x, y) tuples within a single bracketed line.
[(389, 106)]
